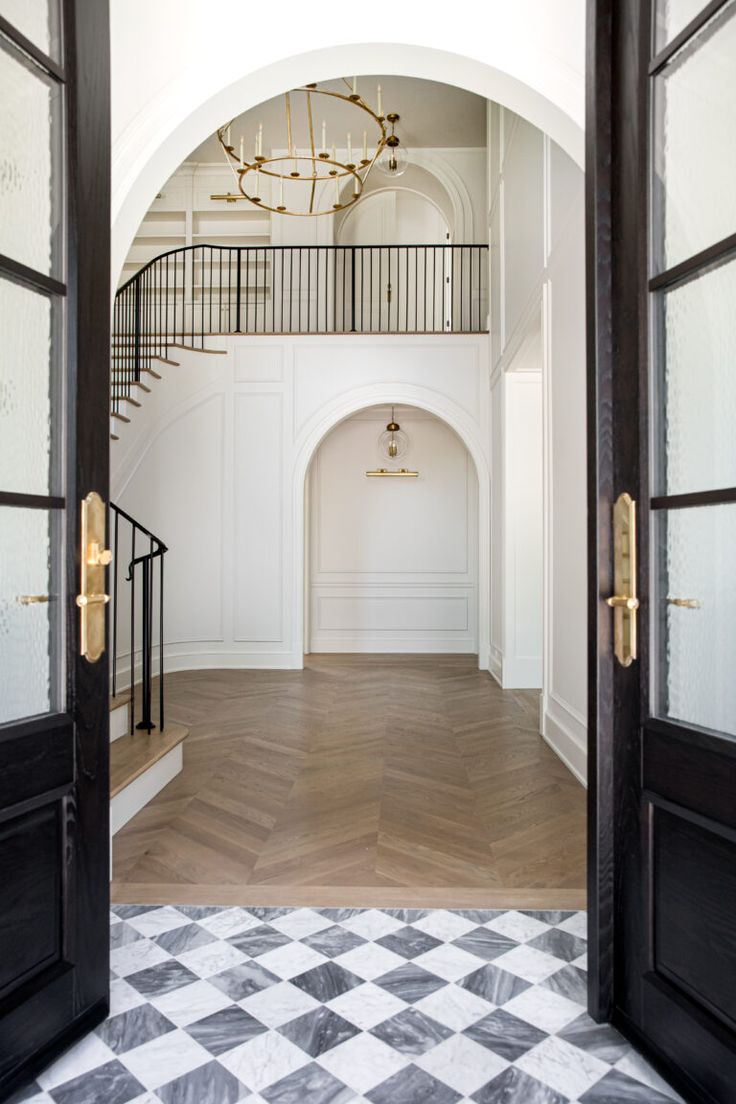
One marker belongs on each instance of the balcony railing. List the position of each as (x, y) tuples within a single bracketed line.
[(185, 295)]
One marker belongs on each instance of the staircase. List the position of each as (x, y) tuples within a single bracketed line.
[(146, 750)]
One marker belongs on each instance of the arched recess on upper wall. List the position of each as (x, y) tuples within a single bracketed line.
[(142, 161)]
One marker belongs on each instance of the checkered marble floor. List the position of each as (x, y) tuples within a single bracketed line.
[(331, 1006)]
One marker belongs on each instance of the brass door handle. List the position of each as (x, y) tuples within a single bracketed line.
[(620, 602), (33, 599), (684, 603), (91, 600), (98, 557)]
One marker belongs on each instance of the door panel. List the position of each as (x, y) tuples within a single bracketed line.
[(54, 317), (662, 243)]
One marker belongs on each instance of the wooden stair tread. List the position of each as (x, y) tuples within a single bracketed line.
[(116, 700), (131, 756)]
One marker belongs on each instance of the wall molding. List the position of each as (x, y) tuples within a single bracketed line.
[(567, 737)]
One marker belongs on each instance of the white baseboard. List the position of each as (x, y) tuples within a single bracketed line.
[(144, 788), (390, 644), (119, 722), (495, 664), (567, 737)]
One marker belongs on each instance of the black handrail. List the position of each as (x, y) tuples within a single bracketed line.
[(184, 295), (156, 550)]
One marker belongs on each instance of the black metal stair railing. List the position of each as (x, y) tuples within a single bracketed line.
[(139, 549), (183, 296)]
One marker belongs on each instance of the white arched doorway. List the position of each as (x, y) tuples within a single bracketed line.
[(391, 563)]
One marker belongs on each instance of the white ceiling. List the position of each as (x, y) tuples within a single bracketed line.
[(432, 115)]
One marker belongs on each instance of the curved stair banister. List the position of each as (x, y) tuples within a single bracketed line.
[(145, 549), (187, 294)]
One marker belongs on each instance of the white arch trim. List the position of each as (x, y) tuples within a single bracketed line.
[(143, 160), (400, 395)]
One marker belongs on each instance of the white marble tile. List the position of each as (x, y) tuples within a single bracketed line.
[(278, 1004), (454, 1007), (448, 962), (372, 924), (577, 924), (581, 962), (517, 926), (544, 1009), (637, 1067), (263, 1060), (160, 1060), (212, 958), (84, 1056), (528, 963), (363, 1062), (301, 922), (291, 959), (189, 1003), (123, 996), (367, 1005), (563, 1067), (132, 957), (445, 925), (462, 1064), (370, 960), (158, 920), (229, 922)]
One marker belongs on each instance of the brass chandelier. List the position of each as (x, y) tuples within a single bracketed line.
[(312, 181)]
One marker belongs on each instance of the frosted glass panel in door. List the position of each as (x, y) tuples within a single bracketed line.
[(699, 335), (28, 683), (695, 151), (36, 20), (28, 134), (672, 16), (697, 651), (25, 391)]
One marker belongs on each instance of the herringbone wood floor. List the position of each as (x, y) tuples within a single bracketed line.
[(360, 780)]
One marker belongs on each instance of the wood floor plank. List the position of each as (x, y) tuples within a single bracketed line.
[(360, 780)]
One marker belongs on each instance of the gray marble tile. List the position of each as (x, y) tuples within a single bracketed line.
[(599, 1039), (548, 916), (327, 981), (183, 939), (210, 1084), (333, 941), (337, 915), (127, 911), (410, 982), (122, 934), (485, 943), (267, 914), (408, 916), (318, 1031), (618, 1088), (112, 1083), (162, 978), (130, 1029), (505, 1034), (513, 1086), (479, 916), (225, 1029), (411, 1032), (570, 982), (309, 1085), (561, 944), (494, 984), (198, 912), (241, 981), (413, 1086), (258, 941), (408, 942)]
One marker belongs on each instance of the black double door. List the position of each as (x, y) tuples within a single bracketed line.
[(54, 355), (662, 433)]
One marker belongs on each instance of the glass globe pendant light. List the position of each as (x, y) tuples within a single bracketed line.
[(393, 442), (394, 160)]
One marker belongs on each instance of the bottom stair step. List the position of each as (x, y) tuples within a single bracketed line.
[(140, 766)]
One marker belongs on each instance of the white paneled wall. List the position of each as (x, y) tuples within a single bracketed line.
[(216, 459), (393, 562), (538, 584)]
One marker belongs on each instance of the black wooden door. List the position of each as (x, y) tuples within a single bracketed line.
[(662, 425), (54, 353)]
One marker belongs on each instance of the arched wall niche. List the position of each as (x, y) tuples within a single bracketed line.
[(421, 182), (142, 161), (350, 403)]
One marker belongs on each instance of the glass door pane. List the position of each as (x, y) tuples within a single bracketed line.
[(37, 20), (672, 16)]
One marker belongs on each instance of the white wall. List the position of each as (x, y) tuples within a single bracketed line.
[(538, 330), (177, 72), (393, 562), (215, 462)]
